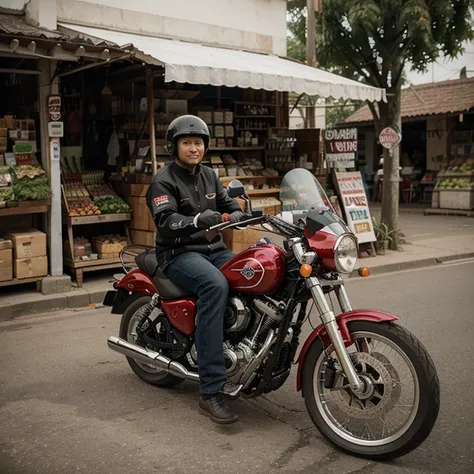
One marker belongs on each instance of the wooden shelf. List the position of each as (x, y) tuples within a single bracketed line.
[(254, 116), (26, 207), (84, 220), (20, 281), (237, 148), (226, 178), (256, 192), (258, 104)]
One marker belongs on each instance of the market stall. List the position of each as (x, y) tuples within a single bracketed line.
[(25, 193), (89, 201), (454, 183)]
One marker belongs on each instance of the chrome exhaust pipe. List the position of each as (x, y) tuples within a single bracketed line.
[(149, 357)]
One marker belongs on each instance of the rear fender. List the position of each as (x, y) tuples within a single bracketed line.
[(123, 299), (342, 321), (137, 282)]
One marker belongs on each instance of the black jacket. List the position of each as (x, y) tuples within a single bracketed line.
[(175, 197)]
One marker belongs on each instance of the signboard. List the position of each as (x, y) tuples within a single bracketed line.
[(56, 129), (55, 149), (356, 205), (389, 138), (341, 146), (54, 107)]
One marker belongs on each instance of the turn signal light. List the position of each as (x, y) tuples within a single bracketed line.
[(305, 270), (364, 272)]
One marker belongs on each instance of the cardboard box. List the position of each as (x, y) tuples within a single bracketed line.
[(218, 116), (28, 243), (239, 240), (6, 265), (30, 267), (229, 131), (205, 115), (141, 215), (5, 244), (141, 237), (228, 117), (219, 131)]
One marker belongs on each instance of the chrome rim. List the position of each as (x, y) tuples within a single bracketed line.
[(132, 337), (390, 402)]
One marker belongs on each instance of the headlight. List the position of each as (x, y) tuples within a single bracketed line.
[(345, 254)]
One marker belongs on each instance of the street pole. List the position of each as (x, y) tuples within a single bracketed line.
[(310, 52)]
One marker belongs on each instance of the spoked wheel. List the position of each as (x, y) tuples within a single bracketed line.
[(399, 405), (128, 331)]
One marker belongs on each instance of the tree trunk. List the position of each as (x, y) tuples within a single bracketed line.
[(390, 117)]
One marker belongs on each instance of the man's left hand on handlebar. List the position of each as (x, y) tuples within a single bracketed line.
[(237, 216)]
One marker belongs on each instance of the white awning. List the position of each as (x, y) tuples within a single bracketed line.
[(198, 64)]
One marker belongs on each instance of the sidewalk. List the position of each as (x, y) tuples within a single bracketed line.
[(431, 240)]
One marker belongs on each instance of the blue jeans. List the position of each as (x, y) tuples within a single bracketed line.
[(200, 274)]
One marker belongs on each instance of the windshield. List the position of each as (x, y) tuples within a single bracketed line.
[(300, 190)]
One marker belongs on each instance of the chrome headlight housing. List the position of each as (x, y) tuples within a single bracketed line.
[(346, 253)]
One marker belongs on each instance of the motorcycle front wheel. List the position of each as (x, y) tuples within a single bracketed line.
[(400, 403)]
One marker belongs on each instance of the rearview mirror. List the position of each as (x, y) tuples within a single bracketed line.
[(235, 189)]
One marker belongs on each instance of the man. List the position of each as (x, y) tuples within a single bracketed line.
[(185, 199)]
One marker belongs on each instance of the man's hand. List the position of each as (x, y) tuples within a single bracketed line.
[(236, 216), (207, 219)]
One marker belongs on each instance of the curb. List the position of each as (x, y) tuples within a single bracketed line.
[(38, 303), (413, 264)]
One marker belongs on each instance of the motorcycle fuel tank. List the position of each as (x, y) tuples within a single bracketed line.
[(259, 269)]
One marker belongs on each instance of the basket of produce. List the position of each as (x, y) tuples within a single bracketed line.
[(111, 205), (109, 246), (30, 183)]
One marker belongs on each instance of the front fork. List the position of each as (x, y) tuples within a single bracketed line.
[(329, 321)]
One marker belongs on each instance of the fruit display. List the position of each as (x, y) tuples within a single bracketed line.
[(456, 175), (455, 183), (84, 207), (101, 191), (457, 167), (111, 205), (75, 190)]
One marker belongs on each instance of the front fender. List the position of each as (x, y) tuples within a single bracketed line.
[(342, 320)]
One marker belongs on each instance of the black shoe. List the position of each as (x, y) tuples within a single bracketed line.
[(217, 409), (230, 390)]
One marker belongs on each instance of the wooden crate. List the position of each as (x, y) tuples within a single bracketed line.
[(141, 237), (141, 216)]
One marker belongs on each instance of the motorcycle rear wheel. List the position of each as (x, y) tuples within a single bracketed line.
[(146, 372), (374, 413)]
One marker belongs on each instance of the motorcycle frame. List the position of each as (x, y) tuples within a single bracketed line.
[(332, 330)]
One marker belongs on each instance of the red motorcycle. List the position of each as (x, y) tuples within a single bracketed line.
[(369, 385)]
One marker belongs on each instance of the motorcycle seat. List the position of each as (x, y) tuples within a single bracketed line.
[(168, 290)]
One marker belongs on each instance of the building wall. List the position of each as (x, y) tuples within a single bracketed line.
[(436, 141), (13, 4), (258, 25)]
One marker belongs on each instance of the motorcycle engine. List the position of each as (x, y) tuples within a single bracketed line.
[(236, 316)]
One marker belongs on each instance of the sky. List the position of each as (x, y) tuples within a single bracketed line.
[(445, 69)]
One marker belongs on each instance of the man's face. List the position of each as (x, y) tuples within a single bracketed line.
[(191, 150)]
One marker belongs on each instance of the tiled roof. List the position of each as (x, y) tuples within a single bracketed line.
[(18, 26), (429, 99)]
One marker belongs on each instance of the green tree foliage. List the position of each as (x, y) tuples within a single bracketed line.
[(373, 41)]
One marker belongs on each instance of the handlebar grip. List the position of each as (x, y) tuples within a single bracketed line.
[(225, 217)]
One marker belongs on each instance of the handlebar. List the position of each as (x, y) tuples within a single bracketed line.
[(227, 224)]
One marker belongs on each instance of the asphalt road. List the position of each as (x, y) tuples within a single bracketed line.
[(68, 404)]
